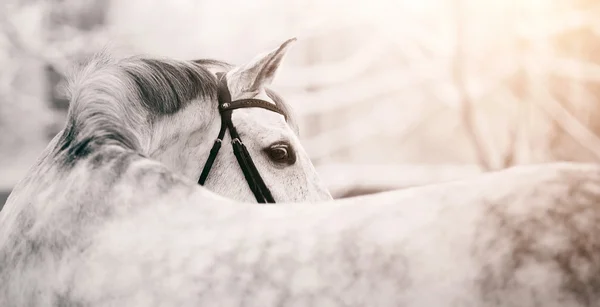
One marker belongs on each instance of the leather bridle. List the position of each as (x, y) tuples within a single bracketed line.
[(226, 107)]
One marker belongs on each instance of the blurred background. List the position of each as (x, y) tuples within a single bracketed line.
[(390, 93)]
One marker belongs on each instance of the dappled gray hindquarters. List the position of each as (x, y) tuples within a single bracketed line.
[(523, 236)]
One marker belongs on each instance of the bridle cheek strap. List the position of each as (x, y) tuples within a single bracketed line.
[(251, 174)]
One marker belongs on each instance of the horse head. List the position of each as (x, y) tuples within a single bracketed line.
[(168, 111)]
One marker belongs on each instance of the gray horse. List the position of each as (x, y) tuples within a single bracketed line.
[(99, 223)]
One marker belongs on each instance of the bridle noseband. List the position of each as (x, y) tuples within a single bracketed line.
[(226, 107)]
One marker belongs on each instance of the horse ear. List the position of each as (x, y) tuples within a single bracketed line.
[(262, 69)]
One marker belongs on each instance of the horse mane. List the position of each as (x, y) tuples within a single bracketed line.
[(114, 100)]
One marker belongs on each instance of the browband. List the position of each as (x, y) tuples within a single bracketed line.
[(251, 103)]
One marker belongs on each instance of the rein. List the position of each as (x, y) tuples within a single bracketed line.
[(226, 107)]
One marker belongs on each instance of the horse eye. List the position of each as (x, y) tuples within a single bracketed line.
[(281, 153)]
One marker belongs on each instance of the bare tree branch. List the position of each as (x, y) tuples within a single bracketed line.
[(578, 131)]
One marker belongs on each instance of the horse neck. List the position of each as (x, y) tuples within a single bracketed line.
[(178, 140), (103, 128)]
